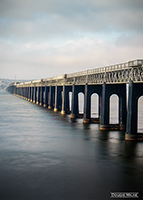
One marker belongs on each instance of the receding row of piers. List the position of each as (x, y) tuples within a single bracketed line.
[(57, 98)]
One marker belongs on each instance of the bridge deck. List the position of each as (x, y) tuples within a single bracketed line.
[(115, 74)]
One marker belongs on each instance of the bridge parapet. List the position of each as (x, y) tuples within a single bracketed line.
[(114, 74)]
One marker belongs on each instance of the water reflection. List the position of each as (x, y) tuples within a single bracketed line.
[(44, 155), (120, 162)]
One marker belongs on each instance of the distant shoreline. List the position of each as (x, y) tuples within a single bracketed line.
[(5, 82)]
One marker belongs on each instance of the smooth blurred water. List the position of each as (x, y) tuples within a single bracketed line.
[(44, 156)]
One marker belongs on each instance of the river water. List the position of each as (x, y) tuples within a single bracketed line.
[(45, 156)]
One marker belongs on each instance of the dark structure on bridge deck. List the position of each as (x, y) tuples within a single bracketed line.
[(54, 92)]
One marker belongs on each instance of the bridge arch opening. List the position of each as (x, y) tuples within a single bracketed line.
[(81, 102), (140, 115), (94, 105), (114, 109)]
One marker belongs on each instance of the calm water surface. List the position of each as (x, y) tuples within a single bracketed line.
[(44, 156)]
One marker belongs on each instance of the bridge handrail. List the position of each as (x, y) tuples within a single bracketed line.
[(101, 70), (109, 68)]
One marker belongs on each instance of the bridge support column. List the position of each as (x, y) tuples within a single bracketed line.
[(20, 92), (38, 95), (107, 91), (74, 109), (89, 90), (26, 98), (24, 92), (34, 94), (87, 105), (51, 97), (41, 96), (31, 97), (14, 91), (135, 91), (58, 98), (65, 101), (67, 105), (29, 93), (99, 107), (46, 97)]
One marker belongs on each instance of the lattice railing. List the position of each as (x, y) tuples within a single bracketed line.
[(119, 73)]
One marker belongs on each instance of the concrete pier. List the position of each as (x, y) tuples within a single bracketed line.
[(46, 92), (51, 99), (107, 91), (135, 91), (75, 90), (35, 95), (58, 98), (32, 92), (41, 95), (89, 90), (65, 100), (38, 95)]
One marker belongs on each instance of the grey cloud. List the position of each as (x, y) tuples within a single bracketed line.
[(61, 36), (55, 18), (47, 61), (132, 41)]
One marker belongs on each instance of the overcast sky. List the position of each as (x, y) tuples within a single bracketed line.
[(45, 38)]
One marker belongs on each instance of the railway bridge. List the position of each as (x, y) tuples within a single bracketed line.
[(53, 93)]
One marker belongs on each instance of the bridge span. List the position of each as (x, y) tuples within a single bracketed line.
[(53, 93)]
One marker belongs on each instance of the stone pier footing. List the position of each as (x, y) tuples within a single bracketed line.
[(50, 107), (112, 127), (55, 109), (138, 136)]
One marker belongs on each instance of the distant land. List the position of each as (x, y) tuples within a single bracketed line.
[(5, 82)]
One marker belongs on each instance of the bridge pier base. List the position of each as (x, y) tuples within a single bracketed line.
[(89, 90), (26, 98), (87, 105), (135, 91), (46, 97), (65, 100), (74, 106), (41, 96), (51, 97), (58, 98), (31, 98), (29, 93), (38, 95), (34, 94), (23, 92), (107, 91)]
